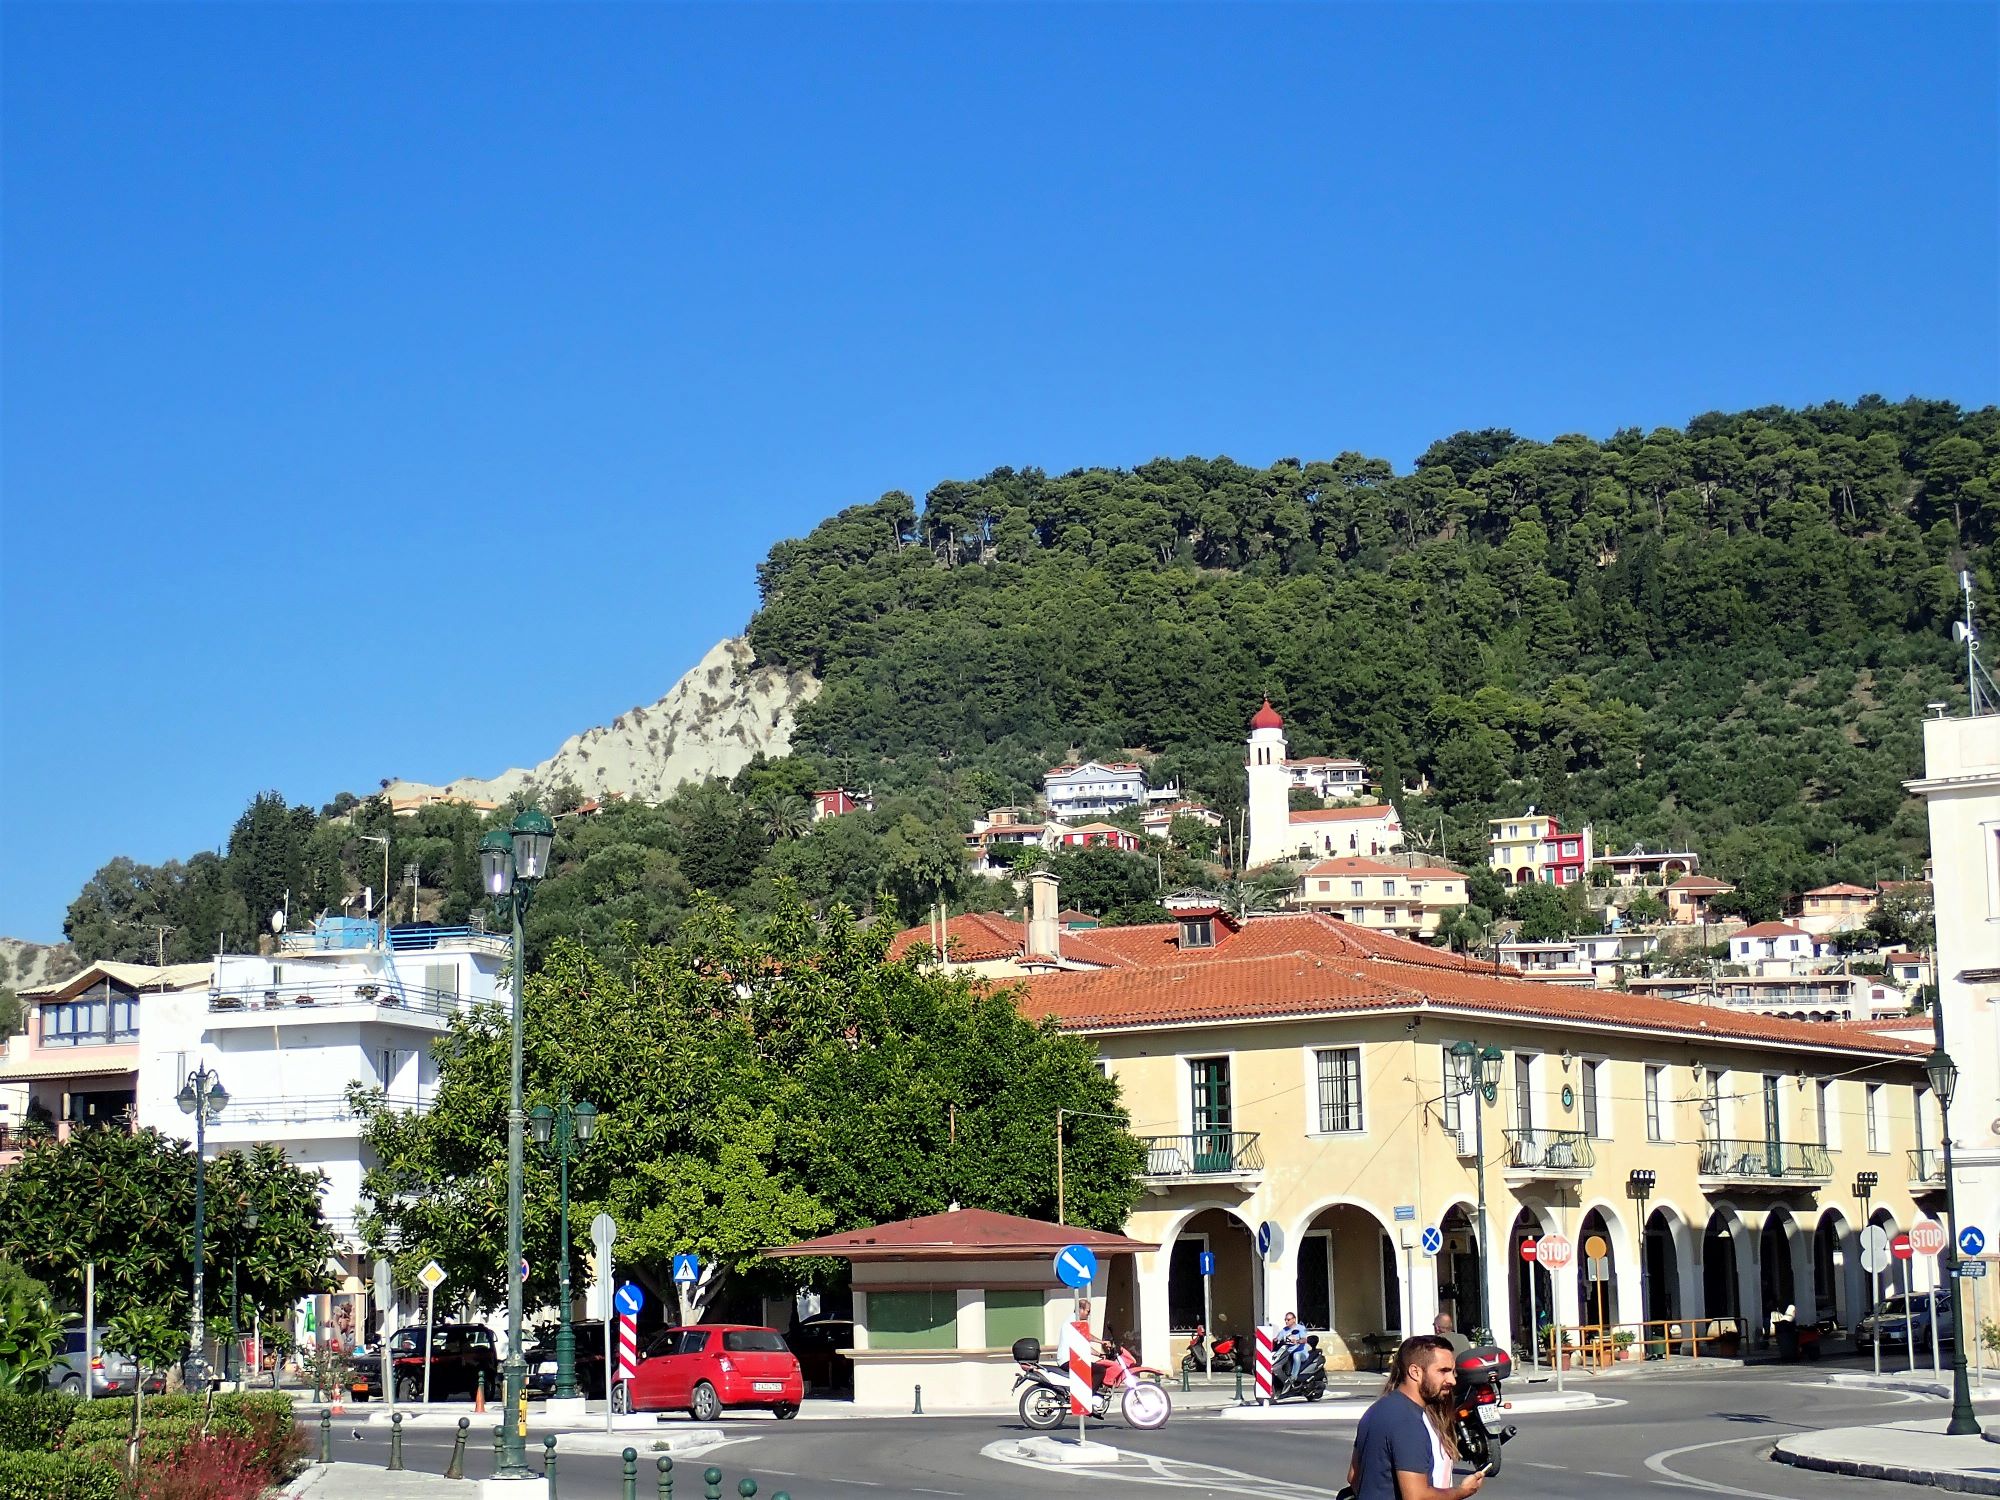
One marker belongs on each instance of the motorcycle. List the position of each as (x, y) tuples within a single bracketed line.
[(1229, 1353), (1481, 1369), (1308, 1379), (1144, 1404)]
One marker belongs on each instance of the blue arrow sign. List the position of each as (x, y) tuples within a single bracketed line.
[(1208, 1262), (687, 1268), (1432, 1239), (1971, 1240), (630, 1298), (1076, 1265)]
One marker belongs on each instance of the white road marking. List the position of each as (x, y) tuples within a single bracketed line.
[(1173, 1473), (1533, 1465), (917, 1489), (1604, 1474), (1658, 1464), (866, 1483)]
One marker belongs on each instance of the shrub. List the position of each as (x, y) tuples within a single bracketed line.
[(211, 1468), (58, 1476), (35, 1423), (30, 1330)]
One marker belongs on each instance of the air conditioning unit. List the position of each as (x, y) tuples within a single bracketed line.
[(1466, 1144)]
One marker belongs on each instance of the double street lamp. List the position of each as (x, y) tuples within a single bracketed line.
[(570, 1126), (1475, 1075), (511, 862), (204, 1097), (1943, 1074)]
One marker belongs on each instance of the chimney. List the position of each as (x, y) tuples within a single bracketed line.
[(1044, 930)]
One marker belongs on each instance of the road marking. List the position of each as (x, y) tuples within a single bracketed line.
[(1658, 1464), (917, 1489), (1533, 1465), (872, 1484), (1173, 1473), (1603, 1474)]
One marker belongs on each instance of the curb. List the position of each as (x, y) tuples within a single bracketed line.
[(1953, 1481)]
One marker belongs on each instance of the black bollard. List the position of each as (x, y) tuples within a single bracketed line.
[(631, 1457), (666, 1466), (549, 1462), (712, 1484), (395, 1440), (456, 1468), (918, 1409), (326, 1437)]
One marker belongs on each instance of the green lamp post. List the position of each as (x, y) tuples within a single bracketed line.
[(204, 1097), (1943, 1074), (511, 862), (570, 1127), (1476, 1070)]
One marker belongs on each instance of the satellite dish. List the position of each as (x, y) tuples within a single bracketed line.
[(278, 920)]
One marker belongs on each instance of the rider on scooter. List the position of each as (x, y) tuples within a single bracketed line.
[(1291, 1350)]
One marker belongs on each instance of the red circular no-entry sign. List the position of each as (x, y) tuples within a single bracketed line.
[(1528, 1248), (1900, 1246)]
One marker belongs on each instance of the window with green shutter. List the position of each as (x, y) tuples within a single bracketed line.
[(913, 1320), (1012, 1314)]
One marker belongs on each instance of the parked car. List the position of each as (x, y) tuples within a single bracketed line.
[(704, 1370), (459, 1354), (110, 1374), (1888, 1325), (589, 1362), (822, 1345)]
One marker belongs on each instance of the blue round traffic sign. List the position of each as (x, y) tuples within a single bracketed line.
[(1076, 1265), (630, 1298), (1971, 1240), (1433, 1239)]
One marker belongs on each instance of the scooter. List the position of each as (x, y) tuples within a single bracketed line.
[(1229, 1353), (1481, 1369), (1308, 1379), (1143, 1404)]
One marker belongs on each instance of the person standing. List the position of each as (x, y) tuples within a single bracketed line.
[(1399, 1449)]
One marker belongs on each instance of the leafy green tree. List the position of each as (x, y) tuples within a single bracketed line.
[(30, 1331), (1549, 913), (743, 1131)]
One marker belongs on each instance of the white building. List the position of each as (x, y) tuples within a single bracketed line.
[(289, 1033), (1596, 959), (1798, 997), (1775, 948), (1276, 832), (1093, 788), (1328, 775), (1961, 782)]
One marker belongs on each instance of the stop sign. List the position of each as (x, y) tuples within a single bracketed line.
[(1900, 1246), (1555, 1251), (1528, 1248), (1927, 1237)]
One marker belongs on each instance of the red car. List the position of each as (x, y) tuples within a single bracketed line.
[(702, 1370)]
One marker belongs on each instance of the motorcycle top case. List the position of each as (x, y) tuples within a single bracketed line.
[(1027, 1351), (1485, 1365)]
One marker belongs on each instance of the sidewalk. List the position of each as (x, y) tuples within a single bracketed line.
[(1914, 1452)]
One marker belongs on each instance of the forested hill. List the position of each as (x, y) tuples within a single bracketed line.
[(1722, 635)]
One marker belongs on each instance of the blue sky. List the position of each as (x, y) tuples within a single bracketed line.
[(398, 390)]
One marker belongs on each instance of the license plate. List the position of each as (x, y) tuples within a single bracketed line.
[(546, 1367), (768, 1385)]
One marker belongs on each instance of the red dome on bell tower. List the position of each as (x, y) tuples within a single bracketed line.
[(1267, 718)]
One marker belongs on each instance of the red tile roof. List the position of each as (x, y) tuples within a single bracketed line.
[(1770, 930), (1841, 889), (1699, 883), (1375, 810), (970, 938), (962, 1234), (1354, 864)]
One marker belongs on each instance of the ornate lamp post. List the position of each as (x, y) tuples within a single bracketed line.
[(511, 862), (1639, 1184), (570, 1126), (1476, 1069), (1944, 1083), (204, 1097)]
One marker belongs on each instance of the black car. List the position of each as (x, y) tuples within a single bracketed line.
[(589, 1362), (822, 1346), (459, 1354)]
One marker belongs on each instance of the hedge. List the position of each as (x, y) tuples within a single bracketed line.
[(35, 1423), (58, 1476)]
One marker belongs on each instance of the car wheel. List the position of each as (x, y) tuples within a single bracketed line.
[(786, 1410), (706, 1406), (409, 1388), (72, 1385), (621, 1398)]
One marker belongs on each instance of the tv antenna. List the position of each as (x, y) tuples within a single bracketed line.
[(1980, 689)]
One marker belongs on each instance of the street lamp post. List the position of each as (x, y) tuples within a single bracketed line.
[(1640, 1185), (570, 1126), (1944, 1083), (511, 862), (236, 1301), (202, 1096), (1475, 1071)]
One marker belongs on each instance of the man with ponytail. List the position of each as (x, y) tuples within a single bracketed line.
[(1400, 1451)]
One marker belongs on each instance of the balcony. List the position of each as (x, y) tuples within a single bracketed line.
[(1776, 1165), (321, 1114), (344, 935), (1209, 1157), (1927, 1171), (1548, 1156), (304, 1000)]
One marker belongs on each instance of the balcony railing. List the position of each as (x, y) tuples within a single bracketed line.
[(300, 1109), (389, 993), (1765, 1161), (351, 935), (1927, 1169), (1208, 1153), (1561, 1151)]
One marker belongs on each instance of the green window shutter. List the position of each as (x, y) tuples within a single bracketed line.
[(1011, 1315), (913, 1320)]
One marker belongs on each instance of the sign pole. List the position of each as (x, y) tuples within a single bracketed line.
[(430, 1322), (1535, 1321), (89, 1327), (1937, 1365), (609, 1315), (1910, 1314), (1208, 1322), (1083, 1407)]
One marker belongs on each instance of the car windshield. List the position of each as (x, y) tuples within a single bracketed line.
[(1897, 1307), (752, 1341), (408, 1341)]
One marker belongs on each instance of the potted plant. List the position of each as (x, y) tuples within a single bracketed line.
[(368, 991), (1621, 1343)]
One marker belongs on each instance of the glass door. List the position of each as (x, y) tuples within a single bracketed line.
[(1214, 1123), (1774, 1147)]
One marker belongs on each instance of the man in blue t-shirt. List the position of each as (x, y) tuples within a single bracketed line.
[(1398, 1452)]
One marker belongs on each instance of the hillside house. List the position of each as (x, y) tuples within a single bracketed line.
[(1328, 775), (1909, 970), (837, 801), (1385, 897), (1158, 821), (1836, 908), (1093, 836), (1688, 899), (1092, 789), (1532, 848), (1641, 866), (1277, 832), (1775, 947), (1801, 997), (1598, 959)]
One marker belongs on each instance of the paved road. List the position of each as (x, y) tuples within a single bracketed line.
[(1696, 1433)]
